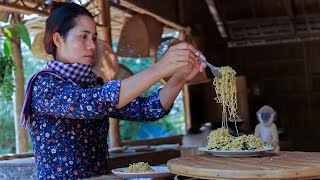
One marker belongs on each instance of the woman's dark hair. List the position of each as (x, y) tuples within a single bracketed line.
[(62, 18)]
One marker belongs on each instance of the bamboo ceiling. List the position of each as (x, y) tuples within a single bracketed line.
[(259, 22)]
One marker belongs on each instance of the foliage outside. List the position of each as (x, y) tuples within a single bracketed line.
[(172, 124), (6, 78), (14, 32), (11, 33)]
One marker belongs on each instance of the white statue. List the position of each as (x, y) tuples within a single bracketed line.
[(266, 129)]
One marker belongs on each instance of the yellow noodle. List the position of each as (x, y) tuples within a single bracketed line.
[(139, 167), (220, 139), (226, 91)]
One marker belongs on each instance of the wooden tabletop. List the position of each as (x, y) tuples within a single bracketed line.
[(285, 165)]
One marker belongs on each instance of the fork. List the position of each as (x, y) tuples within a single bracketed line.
[(215, 70)]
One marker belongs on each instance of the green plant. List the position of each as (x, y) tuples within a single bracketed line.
[(31, 65), (6, 79), (12, 33), (7, 134), (173, 123)]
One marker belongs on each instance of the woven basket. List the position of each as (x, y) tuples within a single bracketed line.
[(106, 63), (38, 49), (140, 37)]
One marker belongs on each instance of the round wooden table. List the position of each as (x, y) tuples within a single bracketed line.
[(285, 165)]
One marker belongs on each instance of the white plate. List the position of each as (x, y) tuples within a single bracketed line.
[(159, 172), (242, 153)]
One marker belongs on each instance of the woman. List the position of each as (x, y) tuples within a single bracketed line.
[(67, 106)]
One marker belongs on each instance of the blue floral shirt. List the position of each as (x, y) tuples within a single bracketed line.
[(69, 124)]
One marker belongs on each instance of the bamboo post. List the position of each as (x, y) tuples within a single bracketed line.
[(105, 18), (20, 133), (186, 96), (114, 129)]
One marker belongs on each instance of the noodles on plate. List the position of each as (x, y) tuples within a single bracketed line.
[(220, 139), (139, 167)]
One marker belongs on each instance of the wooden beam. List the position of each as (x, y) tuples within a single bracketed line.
[(118, 6), (21, 9), (263, 42), (277, 19), (278, 36), (288, 7), (307, 75), (306, 16), (106, 22), (140, 10), (215, 14), (10, 7), (254, 14)]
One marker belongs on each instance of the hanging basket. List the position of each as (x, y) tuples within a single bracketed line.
[(140, 35), (106, 63), (38, 48), (155, 30)]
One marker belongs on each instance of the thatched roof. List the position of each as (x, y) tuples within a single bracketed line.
[(118, 14), (239, 23)]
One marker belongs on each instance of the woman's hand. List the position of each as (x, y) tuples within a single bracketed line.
[(179, 56), (175, 84), (187, 72), (180, 59)]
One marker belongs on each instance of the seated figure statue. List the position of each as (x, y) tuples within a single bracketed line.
[(266, 129)]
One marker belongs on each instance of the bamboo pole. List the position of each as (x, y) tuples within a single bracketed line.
[(186, 94), (11, 7), (106, 25), (215, 14), (114, 129), (20, 133)]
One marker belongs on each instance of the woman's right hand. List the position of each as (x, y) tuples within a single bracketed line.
[(176, 57)]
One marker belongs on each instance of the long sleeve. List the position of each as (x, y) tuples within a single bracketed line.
[(143, 109), (54, 97)]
